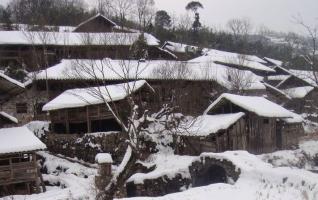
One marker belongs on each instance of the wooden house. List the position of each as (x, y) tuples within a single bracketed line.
[(80, 111), (262, 117), (264, 127), (95, 38), (96, 24), (19, 173), (211, 133)]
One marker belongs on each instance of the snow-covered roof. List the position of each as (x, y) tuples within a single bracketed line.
[(258, 105), (299, 92), (295, 119), (274, 61), (280, 92), (93, 18), (11, 80), (75, 98), (178, 47), (248, 61), (9, 117), (307, 76), (102, 158), (21, 139), (72, 39), (108, 69), (278, 77), (205, 125)]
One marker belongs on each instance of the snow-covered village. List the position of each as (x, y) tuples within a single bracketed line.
[(158, 99)]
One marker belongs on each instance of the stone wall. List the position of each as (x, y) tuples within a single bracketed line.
[(86, 147), (31, 97), (201, 168)]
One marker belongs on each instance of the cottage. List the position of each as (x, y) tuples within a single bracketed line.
[(19, 173), (263, 122), (79, 111), (211, 133), (96, 38), (96, 24), (185, 82)]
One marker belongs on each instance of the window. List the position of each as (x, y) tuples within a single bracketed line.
[(21, 108), (266, 121)]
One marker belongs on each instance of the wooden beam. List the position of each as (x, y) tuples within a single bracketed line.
[(88, 120), (37, 183)]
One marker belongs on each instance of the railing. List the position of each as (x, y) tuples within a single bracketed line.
[(17, 173)]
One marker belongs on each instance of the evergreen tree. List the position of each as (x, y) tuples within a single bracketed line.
[(139, 50)]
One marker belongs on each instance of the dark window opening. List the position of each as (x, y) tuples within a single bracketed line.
[(211, 175), (78, 128), (131, 190), (59, 128), (4, 162), (21, 108), (266, 121), (105, 125)]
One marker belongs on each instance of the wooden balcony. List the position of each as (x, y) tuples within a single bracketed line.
[(18, 173)]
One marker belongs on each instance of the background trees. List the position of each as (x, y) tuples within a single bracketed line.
[(44, 12), (194, 6)]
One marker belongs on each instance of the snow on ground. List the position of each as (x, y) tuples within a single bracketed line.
[(70, 181), (166, 165), (310, 147), (258, 181)]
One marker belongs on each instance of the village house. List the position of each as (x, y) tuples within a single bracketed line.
[(19, 173), (31, 49), (234, 122), (82, 125), (79, 111), (175, 82)]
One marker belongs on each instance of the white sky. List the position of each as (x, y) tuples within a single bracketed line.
[(275, 14)]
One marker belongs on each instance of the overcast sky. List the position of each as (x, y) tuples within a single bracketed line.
[(275, 14)]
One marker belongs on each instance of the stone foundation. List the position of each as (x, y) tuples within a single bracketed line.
[(86, 147)]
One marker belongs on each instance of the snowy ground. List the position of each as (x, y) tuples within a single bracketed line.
[(69, 181), (286, 177), (258, 181)]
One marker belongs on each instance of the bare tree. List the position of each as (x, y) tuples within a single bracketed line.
[(240, 28), (134, 124), (145, 12), (239, 80), (311, 57)]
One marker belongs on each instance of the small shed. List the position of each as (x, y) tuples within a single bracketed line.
[(80, 111), (7, 120), (96, 24), (211, 133), (262, 118), (19, 172)]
